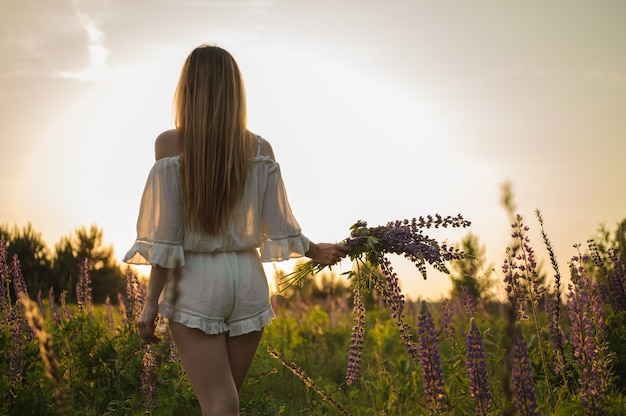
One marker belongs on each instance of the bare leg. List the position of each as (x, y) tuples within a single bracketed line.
[(241, 350), (206, 361)]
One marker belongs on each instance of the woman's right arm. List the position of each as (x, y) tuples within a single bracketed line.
[(327, 254)]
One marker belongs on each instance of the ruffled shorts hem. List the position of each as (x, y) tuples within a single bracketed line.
[(218, 326)]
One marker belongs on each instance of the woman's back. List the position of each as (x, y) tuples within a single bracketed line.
[(262, 217)]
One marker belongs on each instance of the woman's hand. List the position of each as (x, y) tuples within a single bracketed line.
[(147, 323), (327, 254)]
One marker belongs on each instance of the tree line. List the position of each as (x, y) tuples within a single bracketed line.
[(58, 269)]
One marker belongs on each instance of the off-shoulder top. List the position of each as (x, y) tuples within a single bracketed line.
[(262, 219)]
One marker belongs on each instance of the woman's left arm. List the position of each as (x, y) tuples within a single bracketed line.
[(147, 320)]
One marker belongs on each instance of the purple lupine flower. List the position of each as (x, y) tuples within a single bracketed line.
[(468, 301), (133, 301), (356, 338), (395, 303), (607, 292), (522, 376), (618, 282), (513, 287), (430, 361), (588, 343), (148, 378), (83, 288), (533, 287), (477, 368), (406, 238), (19, 284), (446, 324), (54, 309), (17, 323)]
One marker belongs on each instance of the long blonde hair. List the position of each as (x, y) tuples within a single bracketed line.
[(210, 116)]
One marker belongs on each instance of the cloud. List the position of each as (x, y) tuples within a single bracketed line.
[(97, 51)]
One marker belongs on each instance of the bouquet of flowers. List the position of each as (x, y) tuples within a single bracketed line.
[(370, 247)]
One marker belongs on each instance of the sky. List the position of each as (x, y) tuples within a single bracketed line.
[(377, 110)]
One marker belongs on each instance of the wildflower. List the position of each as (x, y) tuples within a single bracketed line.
[(477, 368), (148, 380), (16, 353), (468, 301), (430, 360), (617, 282), (133, 301), (522, 376), (529, 285), (588, 339), (446, 324), (394, 300), (513, 287), (83, 288), (356, 339), (19, 284)]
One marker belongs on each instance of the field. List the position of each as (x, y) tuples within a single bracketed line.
[(545, 350)]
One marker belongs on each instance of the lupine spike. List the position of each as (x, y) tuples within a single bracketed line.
[(430, 361), (468, 301), (587, 328), (148, 378), (446, 321), (522, 376), (83, 288), (477, 368), (356, 339), (618, 282), (395, 302), (16, 354)]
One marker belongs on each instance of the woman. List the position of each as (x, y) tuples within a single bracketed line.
[(213, 197)]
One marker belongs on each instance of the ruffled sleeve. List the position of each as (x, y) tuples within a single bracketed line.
[(280, 232), (160, 228)]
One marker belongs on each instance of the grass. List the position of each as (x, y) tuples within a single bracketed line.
[(300, 367)]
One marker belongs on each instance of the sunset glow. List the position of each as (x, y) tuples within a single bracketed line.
[(377, 111)]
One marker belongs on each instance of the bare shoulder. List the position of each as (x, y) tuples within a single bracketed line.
[(167, 144), (266, 149)]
